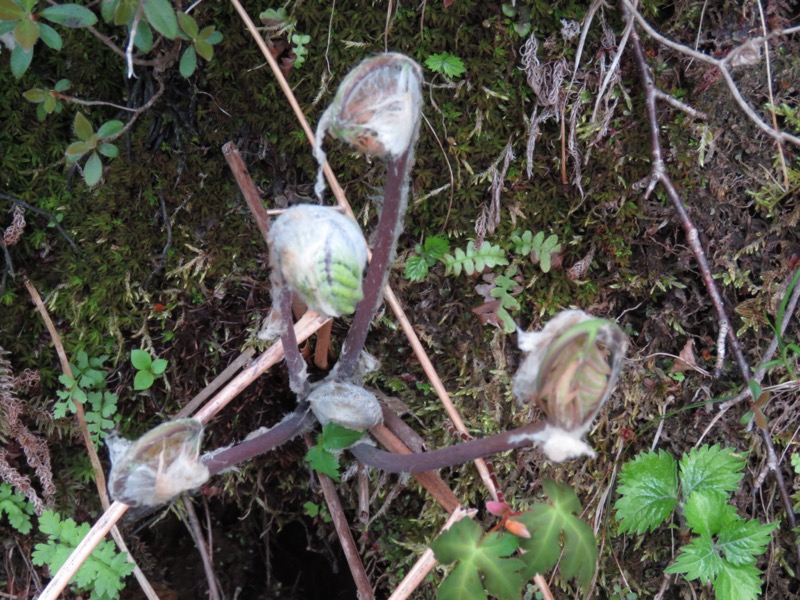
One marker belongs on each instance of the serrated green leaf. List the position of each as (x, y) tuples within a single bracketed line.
[(742, 541), (159, 366), (323, 461), (742, 582), (707, 512), (9, 11), (82, 127), (143, 380), (50, 37), (26, 33), (698, 560), (649, 491), (713, 468), (188, 24), (188, 62), (141, 359), (162, 17), (109, 129), (93, 169), (416, 268), (70, 15), (336, 437), (547, 523)]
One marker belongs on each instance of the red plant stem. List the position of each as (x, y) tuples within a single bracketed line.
[(660, 174), (388, 231), (297, 422), (450, 456)]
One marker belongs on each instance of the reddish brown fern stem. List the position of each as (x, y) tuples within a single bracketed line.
[(465, 437), (659, 175)]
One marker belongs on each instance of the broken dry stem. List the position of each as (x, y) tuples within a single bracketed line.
[(660, 175), (345, 535)]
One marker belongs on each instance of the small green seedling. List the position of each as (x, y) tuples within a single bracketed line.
[(540, 248), (323, 456), (427, 253), (446, 64), (724, 547), (474, 260), (16, 507), (147, 369), (94, 143)]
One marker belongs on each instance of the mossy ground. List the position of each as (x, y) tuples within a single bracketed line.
[(203, 306)]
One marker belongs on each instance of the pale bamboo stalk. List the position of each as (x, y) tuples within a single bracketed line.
[(99, 475), (389, 295), (303, 329)]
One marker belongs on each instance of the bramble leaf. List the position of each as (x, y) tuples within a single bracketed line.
[(336, 437), (550, 525), (711, 468), (478, 554), (742, 582), (323, 461), (707, 512), (649, 491), (742, 541), (698, 560)]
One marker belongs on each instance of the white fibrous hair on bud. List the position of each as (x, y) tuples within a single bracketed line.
[(570, 368), (321, 254), (158, 466), (376, 109), (345, 404)]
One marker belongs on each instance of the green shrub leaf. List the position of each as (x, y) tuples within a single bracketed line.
[(70, 15), (93, 169), (698, 560), (649, 491), (742, 541), (188, 24), (9, 11), (50, 37), (26, 33), (144, 37), (188, 62), (161, 16), (20, 61)]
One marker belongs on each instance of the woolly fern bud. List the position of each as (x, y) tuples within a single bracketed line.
[(159, 465), (321, 254), (376, 109), (569, 371)]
